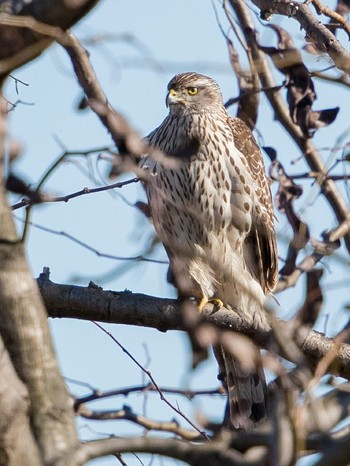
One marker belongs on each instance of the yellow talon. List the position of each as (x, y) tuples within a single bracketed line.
[(202, 303), (216, 301)]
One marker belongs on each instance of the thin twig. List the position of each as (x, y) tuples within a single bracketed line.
[(150, 376), (138, 258), (190, 394), (128, 414), (343, 79), (27, 201)]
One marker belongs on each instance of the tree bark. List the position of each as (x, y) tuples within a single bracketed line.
[(94, 303), (312, 26), (14, 419)]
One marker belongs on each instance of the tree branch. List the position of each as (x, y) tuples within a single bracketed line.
[(27, 201), (311, 25), (154, 383), (330, 409), (342, 79), (127, 414), (14, 424), (93, 303), (216, 453), (144, 388), (325, 10)]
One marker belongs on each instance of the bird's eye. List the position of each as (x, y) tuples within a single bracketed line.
[(192, 90)]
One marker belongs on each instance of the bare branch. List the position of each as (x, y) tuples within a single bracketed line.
[(14, 408), (154, 383), (46, 198), (74, 239), (216, 453), (312, 175), (325, 10), (331, 408), (311, 25), (165, 314), (127, 414), (190, 394), (343, 79), (248, 82)]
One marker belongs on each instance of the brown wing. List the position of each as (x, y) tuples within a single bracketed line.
[(261, 242)]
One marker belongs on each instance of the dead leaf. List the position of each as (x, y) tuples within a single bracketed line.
[(300, 87), (287, 192)]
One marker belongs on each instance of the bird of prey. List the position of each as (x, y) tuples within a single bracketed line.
[(213, 213)]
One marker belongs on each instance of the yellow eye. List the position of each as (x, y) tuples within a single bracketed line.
[(192, 90)]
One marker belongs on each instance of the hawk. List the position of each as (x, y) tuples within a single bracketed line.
[(213, 213)]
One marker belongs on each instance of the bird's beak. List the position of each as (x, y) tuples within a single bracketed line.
[(173, 98)]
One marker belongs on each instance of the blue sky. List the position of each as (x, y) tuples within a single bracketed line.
[(172, 37)]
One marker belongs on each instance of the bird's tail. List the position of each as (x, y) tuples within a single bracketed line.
[(247, 392)]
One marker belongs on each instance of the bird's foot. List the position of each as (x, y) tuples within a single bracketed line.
[(216, 301)]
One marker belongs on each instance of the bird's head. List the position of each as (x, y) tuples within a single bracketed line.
[(193, 93)]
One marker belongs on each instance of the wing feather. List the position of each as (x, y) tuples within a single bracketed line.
[(261, 241)]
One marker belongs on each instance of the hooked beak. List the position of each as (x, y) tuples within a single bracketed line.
[(173, 98)]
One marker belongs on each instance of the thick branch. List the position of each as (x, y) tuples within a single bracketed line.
[(24, 329), (93, 303), (14, 422), (312, 27), (215, 453)]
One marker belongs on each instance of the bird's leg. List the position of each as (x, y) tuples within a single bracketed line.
[(216, 301)]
